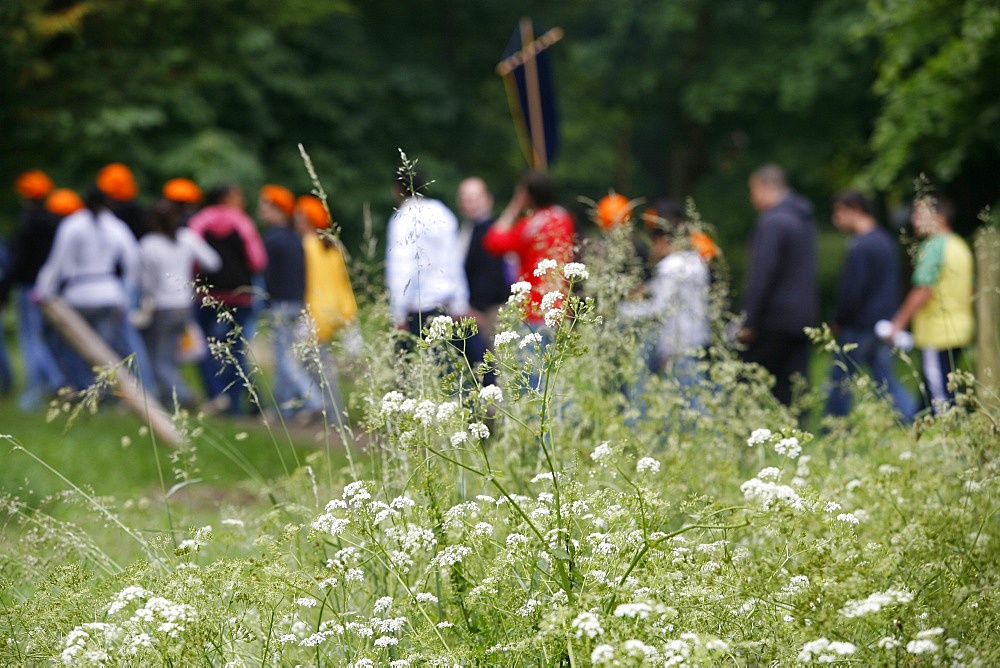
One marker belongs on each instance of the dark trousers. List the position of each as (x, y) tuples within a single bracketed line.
[(784, 355)]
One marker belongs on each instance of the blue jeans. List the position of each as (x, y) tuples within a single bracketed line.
[(876, 355), (111, 324), (42, 374), (162, 339), (291, 380), (222, 374)]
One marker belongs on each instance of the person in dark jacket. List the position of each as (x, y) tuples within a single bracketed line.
[(867, 293), (489, 280), (782, 295)]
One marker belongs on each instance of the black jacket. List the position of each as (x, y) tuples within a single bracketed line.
[(782, 292)]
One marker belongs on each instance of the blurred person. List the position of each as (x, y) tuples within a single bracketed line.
[(676, 300), (226, 301), (487, 274), (781, 297), (285, 282), (534, 227), (186, 193), (94, 267), (868, 291), (169, 254), (42, 209), (423, 266), (117, 182), (329, 299), (940, 302)]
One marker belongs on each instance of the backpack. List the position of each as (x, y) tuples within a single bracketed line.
[(235, 270)]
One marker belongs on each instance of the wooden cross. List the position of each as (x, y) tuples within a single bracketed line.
[(526, 56)]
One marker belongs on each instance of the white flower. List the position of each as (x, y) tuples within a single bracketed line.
[(451, 555), (544, 266), (825, 650), (647, 464), (424, 412), (769, 473), (875, 602), (458, 438), (587, 624), (354, 575), (479, 430), (553, 317), (530, 339), (634, 610), (550, 300), (392, 403), (306, 602), (758, 437), (446, 410), (440, 328), (576, 271), (382, 604), (601, 452), (831, 506), (848, 518), (425, 597), (789, 447), (330, 524), (503, 338), (491, 394), (602, 654), (483, 529), (520, 288), (921, 646), (386, 641), (889, 643)]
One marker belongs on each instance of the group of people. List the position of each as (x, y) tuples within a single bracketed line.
[(132, 275), (158, 284), (782, 298)]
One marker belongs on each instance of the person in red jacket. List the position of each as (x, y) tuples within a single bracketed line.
[(534, 228)]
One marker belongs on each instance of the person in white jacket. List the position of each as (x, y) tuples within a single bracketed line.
[(93, 265), (169, 254)]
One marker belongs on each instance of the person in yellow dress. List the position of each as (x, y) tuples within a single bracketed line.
[(329, 300)]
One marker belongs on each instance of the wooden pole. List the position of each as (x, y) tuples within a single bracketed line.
[(535, 120), (96, 352), (987, 246)]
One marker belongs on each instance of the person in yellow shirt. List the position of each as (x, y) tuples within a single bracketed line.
[(940, 302), (329, 299)]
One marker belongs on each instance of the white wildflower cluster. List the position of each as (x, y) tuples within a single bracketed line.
[(503, 338), (534, 338), (875, 602), (479, 430), (587, 624), (823, 650), (87, 643), (519, 292), (441, 328), (451, 555), (491, 394), (198, 539), (576, 271), (797, 584), (602, 453), (925, 642), (544, 267), (771, 495), (550, 300), (789, 447), (759, 437), (848, 518), (647, 464)]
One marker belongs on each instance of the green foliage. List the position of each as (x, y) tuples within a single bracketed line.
[(543, 521)]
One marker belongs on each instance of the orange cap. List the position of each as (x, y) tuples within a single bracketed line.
[(117, 182), (705, 246), (34, 184), (613, 210), (63, 202), (182, 190), (314, 211), (279, 196)]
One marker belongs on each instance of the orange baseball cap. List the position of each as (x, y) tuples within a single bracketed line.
[(279, 196), (63, 202), (34, 184), (182, 190), (613, 210), (314, 211), (117, 182)]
